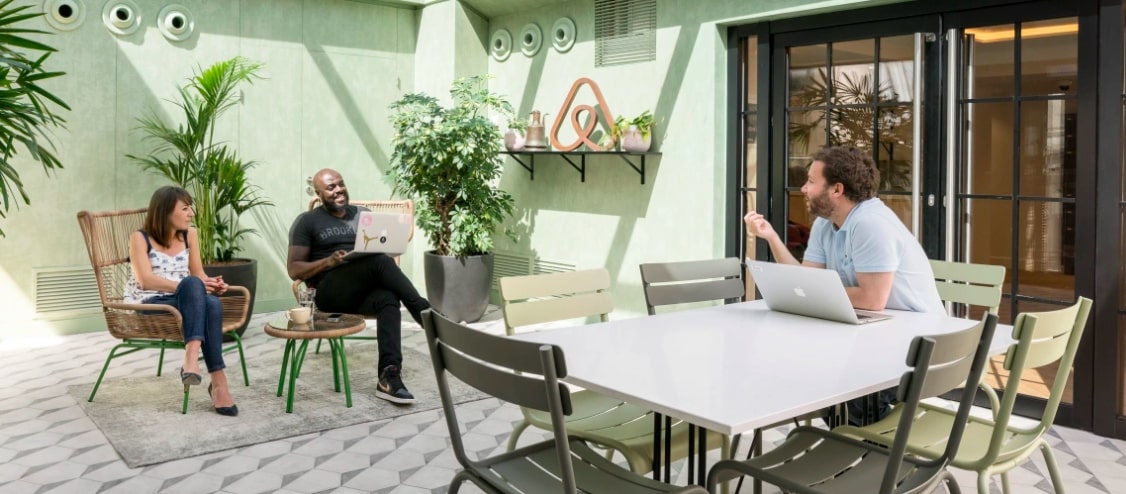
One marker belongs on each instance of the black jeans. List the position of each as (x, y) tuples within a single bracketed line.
[(373, 286), (867, 409)]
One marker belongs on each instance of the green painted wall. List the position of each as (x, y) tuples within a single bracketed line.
[(332, 67), (611, 220)]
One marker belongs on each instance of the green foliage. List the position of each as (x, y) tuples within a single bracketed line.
[(189, 156), (448, 161), (25, 116), (643, 122)]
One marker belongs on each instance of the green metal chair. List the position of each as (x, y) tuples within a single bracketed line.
[(106, 234), (816, 461), (607, 422), (997, 446), (526, 374), (963, 285)]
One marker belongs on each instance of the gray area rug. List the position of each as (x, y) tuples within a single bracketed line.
[(140, 416)]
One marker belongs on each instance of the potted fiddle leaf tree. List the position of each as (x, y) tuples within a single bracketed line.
[(447, 159), (28, 117), (189, 155)]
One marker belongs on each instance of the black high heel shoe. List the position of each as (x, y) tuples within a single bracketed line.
[(190, 378), (231, 411)]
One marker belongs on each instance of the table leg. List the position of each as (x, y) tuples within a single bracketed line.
[(295, 367), (703, 458), (344, 370), (668, 449), (656, 446), (285, 364), (691, 454)]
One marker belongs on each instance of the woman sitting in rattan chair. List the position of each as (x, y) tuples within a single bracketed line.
[(167, 269)]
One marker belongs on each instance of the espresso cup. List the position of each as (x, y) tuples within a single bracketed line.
[(299, 315)]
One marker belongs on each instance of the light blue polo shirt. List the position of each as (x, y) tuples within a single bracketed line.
[(874, 240)]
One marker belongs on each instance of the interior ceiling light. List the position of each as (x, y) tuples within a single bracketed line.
[(994, 34), (64, 15), (175, 23), (121, 17)]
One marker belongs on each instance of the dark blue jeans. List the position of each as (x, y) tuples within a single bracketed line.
[(202, 317), (373, 286)]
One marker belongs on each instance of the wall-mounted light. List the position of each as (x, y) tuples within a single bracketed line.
[(64, 15), (121, 17), (500, 45), (176, 23), (563, 34), (531, 38)]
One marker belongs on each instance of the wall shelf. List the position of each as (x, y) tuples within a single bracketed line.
[(527, 159)]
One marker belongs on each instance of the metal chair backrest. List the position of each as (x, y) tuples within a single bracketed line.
[(939, 363), (668, 283), (551, 297), (520, 372), (968, 283)]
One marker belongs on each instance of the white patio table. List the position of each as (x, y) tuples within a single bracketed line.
[(734, 368)]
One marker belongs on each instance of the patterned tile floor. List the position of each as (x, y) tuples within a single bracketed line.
[(48, 445)]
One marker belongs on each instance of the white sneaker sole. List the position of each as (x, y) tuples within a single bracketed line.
[(393, 399)]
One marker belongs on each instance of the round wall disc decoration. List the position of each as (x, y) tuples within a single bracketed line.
[(175, 23), (64, 15), (501, 45), (531, 38), (121, 17), (563, 34)]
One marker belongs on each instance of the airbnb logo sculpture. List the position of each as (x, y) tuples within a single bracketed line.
[(576, 113)]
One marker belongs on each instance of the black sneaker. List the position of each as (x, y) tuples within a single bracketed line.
[(390, 387)]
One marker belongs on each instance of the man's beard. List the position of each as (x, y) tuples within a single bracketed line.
[(820, 206), (330, 204)]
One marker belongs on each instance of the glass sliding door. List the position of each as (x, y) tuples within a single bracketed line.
[(1017, 189)]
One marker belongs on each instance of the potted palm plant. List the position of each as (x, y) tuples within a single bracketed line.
[(23, 102), (189, 155), (447, 159)]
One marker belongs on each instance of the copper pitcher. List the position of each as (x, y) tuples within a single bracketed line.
[(535, 138)]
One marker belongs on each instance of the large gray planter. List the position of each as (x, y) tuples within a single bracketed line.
[(459, 286), (239, 272)]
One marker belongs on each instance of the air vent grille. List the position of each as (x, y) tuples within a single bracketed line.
[(625, 31), (65, 291), (510, 264)]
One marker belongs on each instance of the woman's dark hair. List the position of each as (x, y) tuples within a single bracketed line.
[(852, 168), (162, 204)]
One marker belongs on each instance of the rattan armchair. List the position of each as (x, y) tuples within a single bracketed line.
[(106, 234)]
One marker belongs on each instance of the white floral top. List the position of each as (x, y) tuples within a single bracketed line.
[(166, 266)]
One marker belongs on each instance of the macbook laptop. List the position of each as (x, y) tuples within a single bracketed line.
[(381, 233), (806, 291)]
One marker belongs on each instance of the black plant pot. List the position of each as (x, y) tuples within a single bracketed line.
[(459, 286), (239, 272)]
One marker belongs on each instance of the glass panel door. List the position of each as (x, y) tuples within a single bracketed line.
[(1017, 167), (860, 92)]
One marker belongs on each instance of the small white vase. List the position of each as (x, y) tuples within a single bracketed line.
[(633, 142), (513, 141)]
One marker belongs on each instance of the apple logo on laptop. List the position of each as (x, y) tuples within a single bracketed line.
[(799, 292)]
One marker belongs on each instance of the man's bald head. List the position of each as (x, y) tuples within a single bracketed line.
[(330, 188)]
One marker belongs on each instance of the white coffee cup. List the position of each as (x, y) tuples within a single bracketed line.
[(299, 315)]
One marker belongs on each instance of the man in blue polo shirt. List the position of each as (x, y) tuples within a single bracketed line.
[(855, 234)]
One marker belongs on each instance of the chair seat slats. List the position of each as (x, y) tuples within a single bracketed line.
[(548, 285), (666, 272), (684, 293), (558, 309), (526, 392)]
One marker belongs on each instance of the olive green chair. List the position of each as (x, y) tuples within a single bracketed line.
[(526, 374), (997, 446), (969, 284), (605, 421), (817, 461)]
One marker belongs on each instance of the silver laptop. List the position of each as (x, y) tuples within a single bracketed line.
[(806, 291), (381, 233)]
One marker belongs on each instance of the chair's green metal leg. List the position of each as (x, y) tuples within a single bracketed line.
[(317, 351), (104, 368), (295, 367), (1053, 468), (289, 344), (344, 370), (242, 359), (160, 362), (983, 481), (1005, 487), (184, 410), (516, 434)]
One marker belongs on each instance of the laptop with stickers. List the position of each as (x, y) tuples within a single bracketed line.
[(381, 233)]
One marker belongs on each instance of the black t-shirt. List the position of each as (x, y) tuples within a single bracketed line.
[(324, 233)]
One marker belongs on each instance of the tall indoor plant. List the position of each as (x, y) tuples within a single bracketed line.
[(189, 155), (447, 159), (27, 116)]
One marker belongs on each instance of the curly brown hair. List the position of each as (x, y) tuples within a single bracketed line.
[(852, 168)]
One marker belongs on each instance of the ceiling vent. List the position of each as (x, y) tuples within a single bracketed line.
[(625, 31)]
